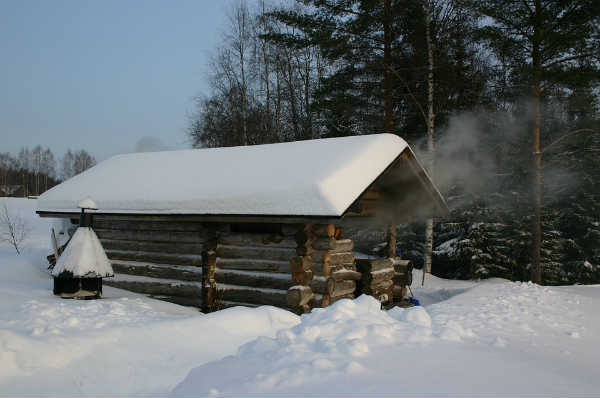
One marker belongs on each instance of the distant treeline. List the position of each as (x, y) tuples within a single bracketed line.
[(34, 171)]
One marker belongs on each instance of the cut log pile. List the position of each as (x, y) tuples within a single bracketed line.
[(402, 277), (323, 270), (377, 278)]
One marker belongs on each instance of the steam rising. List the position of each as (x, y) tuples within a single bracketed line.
[(476, 150)]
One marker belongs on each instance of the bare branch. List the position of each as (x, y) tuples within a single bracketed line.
[(13, 229)]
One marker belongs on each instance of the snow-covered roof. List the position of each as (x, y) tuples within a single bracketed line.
[(83, 257), (305, 178)]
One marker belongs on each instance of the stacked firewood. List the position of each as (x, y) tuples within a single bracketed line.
[(402, 277), (377, 278)]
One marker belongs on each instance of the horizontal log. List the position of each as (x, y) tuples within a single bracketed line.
[(164, 247), (329, 286), (250, 295), (342, 288), (177, 289), (254, 265), (248, 239), (349, 296), (320, 300), (324, 243), (155, 236), (346, 274), (327, 230), (104, 223), (301, 263), (302, 277), (380, 288), (400, 263), (220, 219), (332, 245), (186, 301), (155, 257), (256, 252), (399, 291), (343, 245), (298, 296), (320, 256), (370, 265), (185, 273), (291, 229), (253, 279), (320, 284), (229, 304), (378, 276)]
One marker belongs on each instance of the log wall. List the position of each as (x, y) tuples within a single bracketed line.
[(162, 259), (210, 266)]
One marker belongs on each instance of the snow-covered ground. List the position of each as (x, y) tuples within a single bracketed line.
[(493, 338)]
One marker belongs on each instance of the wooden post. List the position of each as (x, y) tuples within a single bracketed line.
[(209, 285), (391, 241)]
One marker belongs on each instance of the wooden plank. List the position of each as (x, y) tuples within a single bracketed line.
[(370, 265), (254, 265), (185, 301), (155, 257), (254, 279), (245, 294), (157, 288), (228, 304), (378, 276), (164, 247), (210, 218), (346, 274), (324, 243), (156, 236), (158, 271), (248, 239), (343, 246), (320, 256), (378, 288), (256, 252), (106, 223), (324, 230), (391, 241)]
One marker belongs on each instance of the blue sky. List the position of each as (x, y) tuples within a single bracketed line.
[(102, 75)]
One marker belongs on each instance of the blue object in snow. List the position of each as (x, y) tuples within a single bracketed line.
[(414, 301), (398, 252)]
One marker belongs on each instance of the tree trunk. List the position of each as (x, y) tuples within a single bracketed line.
[(268, 126), (430, 136), (387, 61), (278, 100), (537, 153)]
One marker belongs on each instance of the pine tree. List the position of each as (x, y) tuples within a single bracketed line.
[(545, 43)]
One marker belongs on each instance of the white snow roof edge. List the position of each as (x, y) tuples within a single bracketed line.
[(315, 178)]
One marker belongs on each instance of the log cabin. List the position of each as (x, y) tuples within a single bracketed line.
[(253, 225)]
